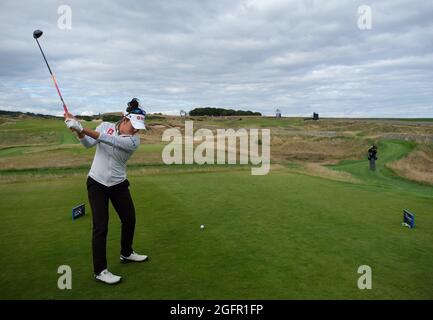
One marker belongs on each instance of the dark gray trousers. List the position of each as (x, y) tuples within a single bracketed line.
[(99, 195)]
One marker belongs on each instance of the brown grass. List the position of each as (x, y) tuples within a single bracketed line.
[(316, 169), (417, 166), (315, 149), (55, 159), (310, 143)]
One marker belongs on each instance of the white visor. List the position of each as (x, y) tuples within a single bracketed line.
[(137, 120)]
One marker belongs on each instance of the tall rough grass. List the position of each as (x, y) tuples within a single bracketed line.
[(417, 165)]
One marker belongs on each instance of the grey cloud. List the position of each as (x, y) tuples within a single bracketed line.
[(299, 56)]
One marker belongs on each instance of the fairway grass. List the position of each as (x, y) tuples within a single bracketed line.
[(280, 236)]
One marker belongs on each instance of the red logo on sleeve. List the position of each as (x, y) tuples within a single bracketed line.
[(110, 131)]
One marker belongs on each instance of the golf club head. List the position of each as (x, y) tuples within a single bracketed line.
[(37, 33)]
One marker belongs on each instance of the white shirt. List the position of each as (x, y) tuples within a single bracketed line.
[(112, 152)]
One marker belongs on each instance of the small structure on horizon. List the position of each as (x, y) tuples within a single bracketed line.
[(278, 113), (315, 117), (183, 113)]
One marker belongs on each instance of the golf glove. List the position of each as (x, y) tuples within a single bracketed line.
[(74, 124)]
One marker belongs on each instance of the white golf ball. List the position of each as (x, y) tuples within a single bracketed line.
[(202, 226)]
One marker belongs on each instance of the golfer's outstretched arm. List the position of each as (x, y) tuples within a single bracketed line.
[(87, 137), (126, 143), (89, 133)]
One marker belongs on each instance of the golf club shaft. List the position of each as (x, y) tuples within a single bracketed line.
[(53, 77)]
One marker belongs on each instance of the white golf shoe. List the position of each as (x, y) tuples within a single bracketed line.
[(133, 257), (107, 277)]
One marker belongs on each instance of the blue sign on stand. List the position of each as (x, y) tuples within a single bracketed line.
[(408, 219), (78, 211)]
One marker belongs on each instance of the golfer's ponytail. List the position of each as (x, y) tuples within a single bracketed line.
[(133, 104)]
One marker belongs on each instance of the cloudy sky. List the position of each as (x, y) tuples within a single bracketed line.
[(298, 56)]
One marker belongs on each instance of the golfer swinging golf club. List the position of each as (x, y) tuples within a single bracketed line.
[(115, 143)]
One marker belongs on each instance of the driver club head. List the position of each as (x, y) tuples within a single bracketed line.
[(37, 33)]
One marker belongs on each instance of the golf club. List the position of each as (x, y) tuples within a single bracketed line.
[(37, 34)]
